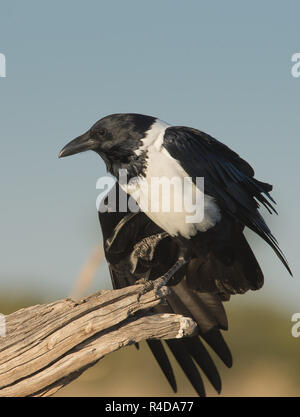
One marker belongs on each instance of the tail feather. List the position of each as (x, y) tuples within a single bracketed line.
[(195, 307), (216, 341), (203, 359), (193, 346), (182, 356), (215, 307), (162, 359)]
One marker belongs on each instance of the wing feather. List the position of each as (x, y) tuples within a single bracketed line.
[(227, 177)]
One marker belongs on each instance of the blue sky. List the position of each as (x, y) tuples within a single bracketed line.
[(222, 67)]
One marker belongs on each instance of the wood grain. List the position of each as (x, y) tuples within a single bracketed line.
[(47, 346)]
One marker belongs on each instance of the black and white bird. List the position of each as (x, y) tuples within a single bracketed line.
[(206, 261)]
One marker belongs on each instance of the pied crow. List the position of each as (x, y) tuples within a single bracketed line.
[(204, 261)]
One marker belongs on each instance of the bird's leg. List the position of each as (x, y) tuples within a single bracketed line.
[(183, 259), (164, 279), (145, 249)]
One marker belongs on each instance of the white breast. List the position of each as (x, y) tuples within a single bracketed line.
[(165, 191)]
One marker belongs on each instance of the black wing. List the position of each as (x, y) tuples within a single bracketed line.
[(136, 247), (227, 178)]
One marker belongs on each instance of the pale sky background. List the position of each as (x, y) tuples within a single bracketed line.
[(222, 67)]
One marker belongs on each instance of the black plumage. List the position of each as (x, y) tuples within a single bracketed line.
[(136, 248)]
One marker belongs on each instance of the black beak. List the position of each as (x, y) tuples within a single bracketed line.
[(81, 144)]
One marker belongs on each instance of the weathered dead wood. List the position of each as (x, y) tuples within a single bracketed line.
[(47, 346)]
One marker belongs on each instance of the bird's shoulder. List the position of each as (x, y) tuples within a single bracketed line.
[(227, 177), (190, 144)]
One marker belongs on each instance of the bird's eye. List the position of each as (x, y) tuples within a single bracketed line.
[(102, 131)]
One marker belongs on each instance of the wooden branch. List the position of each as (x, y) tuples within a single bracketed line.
[(47, 346)]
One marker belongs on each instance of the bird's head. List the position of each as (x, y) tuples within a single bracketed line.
[(114, 138)]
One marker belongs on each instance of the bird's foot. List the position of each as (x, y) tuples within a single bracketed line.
[(163, 280), (142, 281), (147, 286)]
